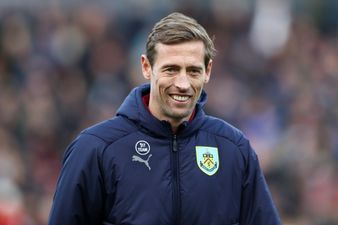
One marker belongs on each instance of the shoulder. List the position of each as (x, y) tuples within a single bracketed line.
[(110, 130), (229, 133), (219, 127), (96, 138)]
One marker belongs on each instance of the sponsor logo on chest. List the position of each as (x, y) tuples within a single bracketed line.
[(142, 148)]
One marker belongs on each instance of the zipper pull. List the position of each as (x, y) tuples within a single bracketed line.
[(174, 143)]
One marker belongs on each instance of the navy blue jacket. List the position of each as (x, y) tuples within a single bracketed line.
[(133, 170)]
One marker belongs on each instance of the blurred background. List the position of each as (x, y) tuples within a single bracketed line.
[(65, 65)]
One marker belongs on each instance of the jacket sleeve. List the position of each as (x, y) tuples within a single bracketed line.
[(80, 191), (257, 207)]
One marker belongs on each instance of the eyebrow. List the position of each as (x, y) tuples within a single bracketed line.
[(170, 66), (195, 68), (178, 67)]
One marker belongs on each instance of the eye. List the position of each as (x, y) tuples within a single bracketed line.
[(170, 70), (195, 71)]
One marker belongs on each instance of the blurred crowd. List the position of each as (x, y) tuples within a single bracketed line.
[(64, 67)]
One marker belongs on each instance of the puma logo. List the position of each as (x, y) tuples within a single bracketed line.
[(139, 159)]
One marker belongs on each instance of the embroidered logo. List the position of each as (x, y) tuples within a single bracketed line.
[(139, 159), (142, 147), (207, 159)]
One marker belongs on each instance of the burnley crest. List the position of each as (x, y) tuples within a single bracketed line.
[(207, 159)]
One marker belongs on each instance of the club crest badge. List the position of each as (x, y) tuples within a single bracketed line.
[(207, 159)]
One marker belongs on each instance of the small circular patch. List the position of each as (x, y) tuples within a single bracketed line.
[(142, 147)]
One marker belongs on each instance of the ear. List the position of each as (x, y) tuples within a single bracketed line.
[(146, 67), (208, 72)]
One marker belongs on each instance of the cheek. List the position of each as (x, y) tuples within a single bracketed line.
[(197, 85), (162, 82), (158, 86)]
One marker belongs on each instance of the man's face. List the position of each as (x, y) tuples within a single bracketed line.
[(177, 78)]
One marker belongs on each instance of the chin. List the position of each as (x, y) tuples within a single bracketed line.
[(180, 115)]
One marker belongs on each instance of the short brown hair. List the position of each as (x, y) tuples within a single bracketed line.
[(177, 28)]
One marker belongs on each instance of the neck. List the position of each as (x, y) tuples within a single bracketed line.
[(174, 123), (174, 126)]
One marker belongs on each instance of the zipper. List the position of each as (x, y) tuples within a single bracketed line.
[(176, 182)]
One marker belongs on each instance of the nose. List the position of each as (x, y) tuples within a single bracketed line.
[(182, 81)]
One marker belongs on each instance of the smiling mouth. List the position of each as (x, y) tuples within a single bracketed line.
[(180, 98)]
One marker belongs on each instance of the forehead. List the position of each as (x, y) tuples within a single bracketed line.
[(192, 51)]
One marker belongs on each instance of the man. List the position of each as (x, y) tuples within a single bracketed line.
[(161, 160)]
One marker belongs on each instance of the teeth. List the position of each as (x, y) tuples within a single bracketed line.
[(180, 98)]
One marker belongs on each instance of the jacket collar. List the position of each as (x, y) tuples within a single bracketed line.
[(134, 109)]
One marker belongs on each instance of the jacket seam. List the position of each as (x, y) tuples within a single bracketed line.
[(108, 143), (237, 144)]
